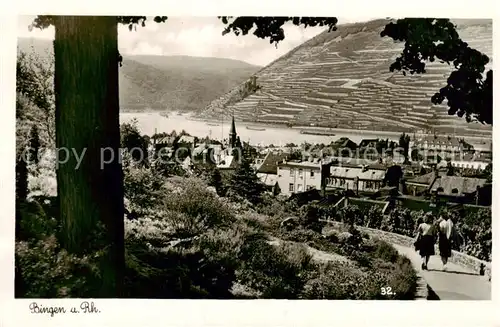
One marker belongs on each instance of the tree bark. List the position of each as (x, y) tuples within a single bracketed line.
[(87, 122)]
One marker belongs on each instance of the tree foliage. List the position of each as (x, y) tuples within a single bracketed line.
[(468, 91), (134, 142), (246, 183)]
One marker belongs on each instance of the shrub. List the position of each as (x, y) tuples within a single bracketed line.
[(194, 200), (341, 281), (350, 214), (272, 207), (203, 267), (332, 236), (143, 188), (374, 217), (301, 235), (475, 233), (43, 270), (32, 221), (277, 272), (385, 251), (42, 177)]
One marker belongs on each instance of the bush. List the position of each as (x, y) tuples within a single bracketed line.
[(386, 252), (374, 217), (301, 235), (277, 272), (42, 177), (350, 214), (32, 221), (143, 188), (43, 270), (272, 207), (194, 200), (341, 281), (475, 234)]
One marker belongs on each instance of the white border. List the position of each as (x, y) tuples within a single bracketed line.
[(229, 313)]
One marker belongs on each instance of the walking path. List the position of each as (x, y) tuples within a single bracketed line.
[(315, 253), (457, 283)]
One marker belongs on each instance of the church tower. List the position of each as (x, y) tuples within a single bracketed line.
[(232, 135)]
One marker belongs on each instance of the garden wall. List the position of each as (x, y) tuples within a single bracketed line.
[(458, 258)]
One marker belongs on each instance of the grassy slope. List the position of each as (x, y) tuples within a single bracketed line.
[(180, 83)]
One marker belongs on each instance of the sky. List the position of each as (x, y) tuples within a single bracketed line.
[(197, 36)]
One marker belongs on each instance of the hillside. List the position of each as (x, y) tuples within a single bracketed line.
[(179, 83), (342, 79)]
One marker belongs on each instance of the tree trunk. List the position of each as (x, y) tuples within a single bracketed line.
[(87, 122)]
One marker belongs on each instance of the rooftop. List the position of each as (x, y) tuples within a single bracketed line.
[(456, 185), (426, 179), (270, 164), (352, 172), (306, 164)]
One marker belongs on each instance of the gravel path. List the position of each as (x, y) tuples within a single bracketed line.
[(317, 255)]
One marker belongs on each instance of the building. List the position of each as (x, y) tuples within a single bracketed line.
[(420, 185), (427, 149), (187, 139), (456, 185), (164, 145), (459, 189), (368, 149), (344, 147), (358, 178), (368, 143), (267, 170), (233, 137), (477, 161), (225, 159), (299, 176)]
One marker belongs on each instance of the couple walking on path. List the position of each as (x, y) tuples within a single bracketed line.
[(427, 233)]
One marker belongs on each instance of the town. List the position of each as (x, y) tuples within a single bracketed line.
[(416, 172)]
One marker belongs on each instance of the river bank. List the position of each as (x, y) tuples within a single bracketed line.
[(257, 134)]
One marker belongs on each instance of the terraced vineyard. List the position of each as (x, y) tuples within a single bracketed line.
[(342, 79)]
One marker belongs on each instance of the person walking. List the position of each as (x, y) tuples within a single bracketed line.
[(445, 227), (425, 239)]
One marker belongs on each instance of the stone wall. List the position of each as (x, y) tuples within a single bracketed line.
[(459, 258)]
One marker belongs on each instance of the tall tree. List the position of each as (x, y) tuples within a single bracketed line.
[(404, 143), (245, 182), (134, 142)]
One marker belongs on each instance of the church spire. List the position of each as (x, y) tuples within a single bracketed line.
[(232, 134)]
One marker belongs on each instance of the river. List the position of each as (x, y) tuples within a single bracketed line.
[(148, 122)]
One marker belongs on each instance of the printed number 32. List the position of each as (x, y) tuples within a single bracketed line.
[(386, 291)]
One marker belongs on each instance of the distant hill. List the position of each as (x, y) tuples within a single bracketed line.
[(173, 83), (341, 79)]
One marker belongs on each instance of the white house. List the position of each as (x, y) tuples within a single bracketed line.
[(296, 177)]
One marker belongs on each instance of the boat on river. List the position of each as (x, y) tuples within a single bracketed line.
[(317, 132), (259, 129)]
